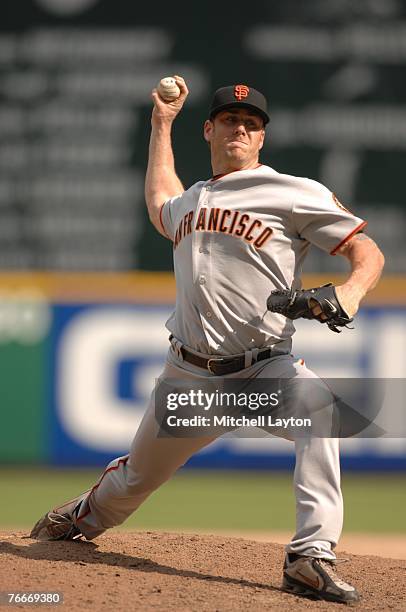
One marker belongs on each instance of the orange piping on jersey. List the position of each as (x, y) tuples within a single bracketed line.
[(113, 468), (63, 505), (219, 176), (160, 219), (347, 238)]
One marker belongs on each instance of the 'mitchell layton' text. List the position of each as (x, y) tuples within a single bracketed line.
[(210, 401)]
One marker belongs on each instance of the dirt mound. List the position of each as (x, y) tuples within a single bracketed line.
[(166, 571)]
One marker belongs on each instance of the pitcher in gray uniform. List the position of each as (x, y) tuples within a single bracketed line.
[(236, 236)]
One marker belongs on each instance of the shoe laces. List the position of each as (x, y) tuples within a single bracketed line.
[(73, 534), (63, 527), (328, 566)]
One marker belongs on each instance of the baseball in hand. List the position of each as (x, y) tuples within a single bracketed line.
[(168, 89)]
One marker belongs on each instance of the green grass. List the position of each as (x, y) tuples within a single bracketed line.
[(239, 501)]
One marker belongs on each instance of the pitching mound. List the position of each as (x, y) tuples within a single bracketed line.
[(166, 571)]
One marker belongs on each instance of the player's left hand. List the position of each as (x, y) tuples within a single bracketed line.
[(320, 303), (348, 297)]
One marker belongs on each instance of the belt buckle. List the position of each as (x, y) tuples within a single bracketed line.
[(215, 360)]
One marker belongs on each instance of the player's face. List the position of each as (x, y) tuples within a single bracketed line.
[(235, 136)]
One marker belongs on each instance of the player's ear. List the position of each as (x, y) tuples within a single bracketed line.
[(262, 140), (208, 130)]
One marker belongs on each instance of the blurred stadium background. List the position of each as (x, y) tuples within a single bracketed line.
[(85, 281)]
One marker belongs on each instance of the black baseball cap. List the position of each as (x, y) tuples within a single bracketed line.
[(235, 96)]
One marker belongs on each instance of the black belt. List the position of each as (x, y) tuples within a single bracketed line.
[(220, 366)]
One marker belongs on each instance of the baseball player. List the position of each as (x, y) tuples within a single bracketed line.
[(237, 237)]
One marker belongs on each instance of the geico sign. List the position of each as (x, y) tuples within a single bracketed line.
[(92, 345), (25, 316)]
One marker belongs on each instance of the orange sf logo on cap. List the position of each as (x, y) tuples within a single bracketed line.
[(241, 92)]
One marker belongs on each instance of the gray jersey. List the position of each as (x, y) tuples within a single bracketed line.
[(236, 238)]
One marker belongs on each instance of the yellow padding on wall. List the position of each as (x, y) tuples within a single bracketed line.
[(155, 287)]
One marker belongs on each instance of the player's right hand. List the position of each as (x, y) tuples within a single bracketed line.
[(167, 111)]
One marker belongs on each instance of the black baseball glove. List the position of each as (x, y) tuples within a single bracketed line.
[(295, 304)]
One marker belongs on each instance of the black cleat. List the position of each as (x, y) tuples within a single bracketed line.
[(53, 526), (317, 578), (59, 524)]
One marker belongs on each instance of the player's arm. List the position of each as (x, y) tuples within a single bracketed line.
[(367, 262), (161, 180)]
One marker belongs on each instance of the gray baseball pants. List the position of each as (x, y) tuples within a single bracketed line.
[(129, 480)]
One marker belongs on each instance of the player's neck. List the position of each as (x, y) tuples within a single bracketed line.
[(227, 167)]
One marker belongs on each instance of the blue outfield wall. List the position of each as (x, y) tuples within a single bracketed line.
[(103, 360)]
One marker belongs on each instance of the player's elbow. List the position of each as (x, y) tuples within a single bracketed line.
[(362, 249), (377, 257), (154, 205), (381, 260), (381, 257), (153, 214), (375, 262), (155, 218)]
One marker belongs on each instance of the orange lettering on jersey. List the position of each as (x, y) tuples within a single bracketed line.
[(201, 220), (180, 230), (242, 225), (225, 221), (263, 237), (248, 236), (233, 222), (213, 219), (176, 240), (226, 214), (184, 228), (189, 222), (241, 92), (185, 224)]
